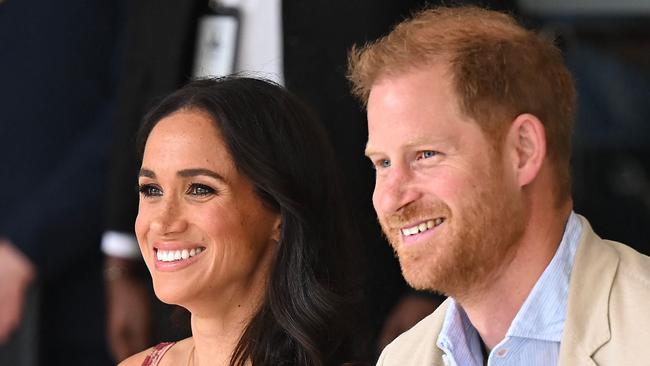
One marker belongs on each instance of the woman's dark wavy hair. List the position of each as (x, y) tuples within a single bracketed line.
[(278, 145)]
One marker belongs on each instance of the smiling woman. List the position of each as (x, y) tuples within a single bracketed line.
[(241, 223)]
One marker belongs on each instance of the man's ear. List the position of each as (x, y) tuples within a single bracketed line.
[(527, 139)]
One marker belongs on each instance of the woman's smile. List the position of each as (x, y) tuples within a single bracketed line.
[(176, 255)]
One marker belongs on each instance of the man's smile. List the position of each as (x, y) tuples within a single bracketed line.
[(422, 226)]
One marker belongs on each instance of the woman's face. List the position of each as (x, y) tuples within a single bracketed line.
[(204, 233)]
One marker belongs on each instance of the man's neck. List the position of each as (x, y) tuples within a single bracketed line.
[(493, 311)]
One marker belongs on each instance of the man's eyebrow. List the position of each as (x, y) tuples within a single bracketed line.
[(193, 172), (413, 143), (369, 151)]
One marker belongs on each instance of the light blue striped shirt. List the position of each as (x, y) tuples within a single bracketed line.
[(534, 336)]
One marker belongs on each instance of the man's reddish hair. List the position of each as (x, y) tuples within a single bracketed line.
[(498, 68)]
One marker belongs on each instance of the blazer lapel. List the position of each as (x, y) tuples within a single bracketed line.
[(587, 322), (437, 356)]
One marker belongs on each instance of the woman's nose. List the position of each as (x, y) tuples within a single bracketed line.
[(169, 219)]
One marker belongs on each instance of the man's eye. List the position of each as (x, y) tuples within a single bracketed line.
[(381, 164), (426, 154), (199, 190), (149, 190)]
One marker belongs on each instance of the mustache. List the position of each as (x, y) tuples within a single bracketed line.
[(416, 211)]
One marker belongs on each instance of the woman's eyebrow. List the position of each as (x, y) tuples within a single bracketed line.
[(193, 172), (147, 173), (186, 173)]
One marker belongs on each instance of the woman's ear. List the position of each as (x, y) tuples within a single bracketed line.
[(277, 229), (527, 139)]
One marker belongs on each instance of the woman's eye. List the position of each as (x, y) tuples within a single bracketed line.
[(149, 190), (200, 190), (426, 154)]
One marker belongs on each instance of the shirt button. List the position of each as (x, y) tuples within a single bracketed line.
[(502, 352)]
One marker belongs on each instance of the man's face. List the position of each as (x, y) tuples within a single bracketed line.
[(446, 199)]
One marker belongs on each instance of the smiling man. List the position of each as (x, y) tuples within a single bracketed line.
[(469, 129)]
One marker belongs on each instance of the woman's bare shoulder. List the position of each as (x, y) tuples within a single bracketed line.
[(167, 353)]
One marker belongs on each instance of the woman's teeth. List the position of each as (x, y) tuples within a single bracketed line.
[(176, 255), (422, 227)]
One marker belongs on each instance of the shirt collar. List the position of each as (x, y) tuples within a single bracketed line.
[(458, 337), (543, 313)]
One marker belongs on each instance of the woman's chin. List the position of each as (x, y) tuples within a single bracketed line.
[(172, 295)]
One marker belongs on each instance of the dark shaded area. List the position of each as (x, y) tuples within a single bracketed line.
[(610, 60), (55, 100)]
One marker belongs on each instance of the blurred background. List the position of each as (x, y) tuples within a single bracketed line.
[(76, 78)]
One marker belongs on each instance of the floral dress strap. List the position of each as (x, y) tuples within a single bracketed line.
[(157, 354)]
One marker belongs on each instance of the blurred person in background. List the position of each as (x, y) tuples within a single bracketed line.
[(57, 84)]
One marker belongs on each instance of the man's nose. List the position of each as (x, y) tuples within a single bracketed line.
[(169, 219), (395, 190)]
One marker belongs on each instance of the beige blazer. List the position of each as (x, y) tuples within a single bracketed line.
[(608, 315)]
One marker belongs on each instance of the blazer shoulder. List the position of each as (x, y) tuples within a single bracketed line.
[(634, 266), (610, 263), (612, 281), (628, 315)]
